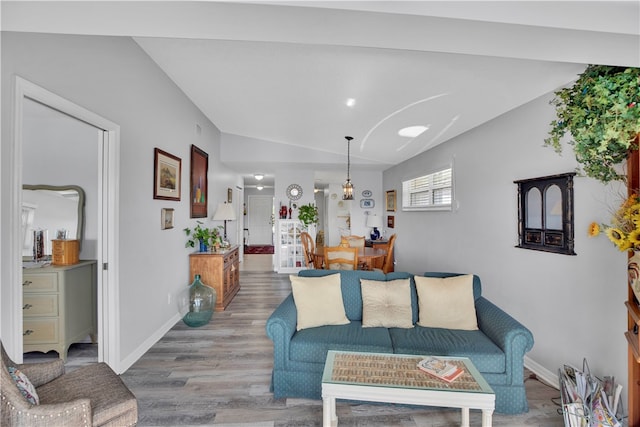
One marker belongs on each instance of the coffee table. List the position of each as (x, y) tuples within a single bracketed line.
[(394, 378)]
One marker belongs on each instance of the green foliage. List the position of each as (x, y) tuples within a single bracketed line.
[(308, 214), (209, 236), (602, 113)]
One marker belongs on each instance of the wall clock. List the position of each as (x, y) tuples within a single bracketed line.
[(294, 192)]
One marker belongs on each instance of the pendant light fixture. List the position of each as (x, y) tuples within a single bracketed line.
[(347, 187)]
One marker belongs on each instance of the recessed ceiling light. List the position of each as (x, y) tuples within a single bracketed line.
[(259, 177), (412, 131), (350, 102)]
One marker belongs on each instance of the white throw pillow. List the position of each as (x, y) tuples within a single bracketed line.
[(386, 304), (318, 301), (447, 302)]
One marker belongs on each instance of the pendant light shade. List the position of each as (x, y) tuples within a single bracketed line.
[(347, 187)]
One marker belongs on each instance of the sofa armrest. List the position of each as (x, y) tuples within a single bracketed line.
[(508, 334), (42, 372), (281, 326)]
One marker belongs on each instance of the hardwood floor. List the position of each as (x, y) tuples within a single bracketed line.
[(219, 375)]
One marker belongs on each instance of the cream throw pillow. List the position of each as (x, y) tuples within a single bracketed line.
[(318, 301), (386, 304), (447, 302)]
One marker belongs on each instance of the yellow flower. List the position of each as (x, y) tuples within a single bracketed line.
[(624, 245), (615, 235), (594, 229)]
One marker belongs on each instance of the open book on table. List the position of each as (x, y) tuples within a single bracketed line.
[(440, 368)]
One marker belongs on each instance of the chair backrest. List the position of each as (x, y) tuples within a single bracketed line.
[(339, 258), (308, 248), (387, 267), (352, 241)]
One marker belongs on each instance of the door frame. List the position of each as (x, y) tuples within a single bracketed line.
[(108, 309)]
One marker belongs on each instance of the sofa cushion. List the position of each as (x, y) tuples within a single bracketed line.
[(386, 304), (318, 301), (395, 275), (312, 345), (447, 302), (350, 284), (24, 385), (484, 354)]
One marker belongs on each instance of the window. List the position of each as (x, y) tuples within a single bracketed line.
[(428, 192), (545, 213)]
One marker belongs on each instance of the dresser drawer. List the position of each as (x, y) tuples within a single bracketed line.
[(40, 331), (39, 305), (40, 282)]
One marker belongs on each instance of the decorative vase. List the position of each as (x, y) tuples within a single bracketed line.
[(202, 300), (633, 271), (203, 246)]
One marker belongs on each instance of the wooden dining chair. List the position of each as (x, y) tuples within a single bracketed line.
[(308, 248), (340, 258), (352, 241), (388, 265)]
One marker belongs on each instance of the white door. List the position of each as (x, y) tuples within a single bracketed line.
[(259, 220)]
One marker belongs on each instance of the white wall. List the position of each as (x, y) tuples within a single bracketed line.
[(114, 78), (572, 304)]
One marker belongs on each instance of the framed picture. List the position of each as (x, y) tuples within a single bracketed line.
[(391, 201), (167, 171), (390, 221), (166, 219), (199, 186), (367, 203), (229, 195)]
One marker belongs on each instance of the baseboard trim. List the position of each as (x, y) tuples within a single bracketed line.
[(127, 362), (543, 374)]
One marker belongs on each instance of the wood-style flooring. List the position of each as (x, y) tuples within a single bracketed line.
[(219, 375)]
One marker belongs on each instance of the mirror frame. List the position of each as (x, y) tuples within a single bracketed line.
[(543, 238), (81, 201)]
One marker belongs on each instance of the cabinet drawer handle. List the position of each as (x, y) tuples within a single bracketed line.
[(27, 306), (28, 332), (27, 283)]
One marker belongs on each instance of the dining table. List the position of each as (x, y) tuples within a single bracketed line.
[(368, 258)]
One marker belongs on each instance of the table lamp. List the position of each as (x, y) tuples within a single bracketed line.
[(224, 213), (374, 221)]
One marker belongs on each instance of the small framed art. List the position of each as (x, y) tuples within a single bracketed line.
[(367, 203), (391, 201), (229, 195), (199, 186), (391, 220), (167, 170), (166, 219)]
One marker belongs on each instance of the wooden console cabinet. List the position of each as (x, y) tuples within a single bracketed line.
[(220, 270), (59, 306)]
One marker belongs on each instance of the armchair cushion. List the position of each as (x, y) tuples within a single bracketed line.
[(24, 385)]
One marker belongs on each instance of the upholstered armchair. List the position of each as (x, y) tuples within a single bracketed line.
[(92, 395)]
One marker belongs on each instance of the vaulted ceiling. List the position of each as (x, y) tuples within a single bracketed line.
[(283, 72)]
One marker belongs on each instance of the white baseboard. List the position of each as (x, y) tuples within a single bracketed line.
[(543, 374), (127, 362)]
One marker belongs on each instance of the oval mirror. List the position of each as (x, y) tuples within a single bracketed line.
[(57, 209)]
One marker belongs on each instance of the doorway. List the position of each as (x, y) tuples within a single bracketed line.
[(103, 215), (260, 221)]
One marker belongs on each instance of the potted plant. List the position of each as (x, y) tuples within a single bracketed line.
[(602, 113), (205, 236), (308, 214)]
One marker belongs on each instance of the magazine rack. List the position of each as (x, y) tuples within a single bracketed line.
[(585, 402)]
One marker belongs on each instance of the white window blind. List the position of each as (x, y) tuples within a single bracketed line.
[(428, 192)]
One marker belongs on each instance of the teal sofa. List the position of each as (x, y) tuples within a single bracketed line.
[(497, 348)]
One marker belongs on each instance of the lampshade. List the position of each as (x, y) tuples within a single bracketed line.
[(374, 221), (224, 212)]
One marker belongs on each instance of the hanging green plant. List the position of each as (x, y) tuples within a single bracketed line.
[(602, 113), (308, 214)]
